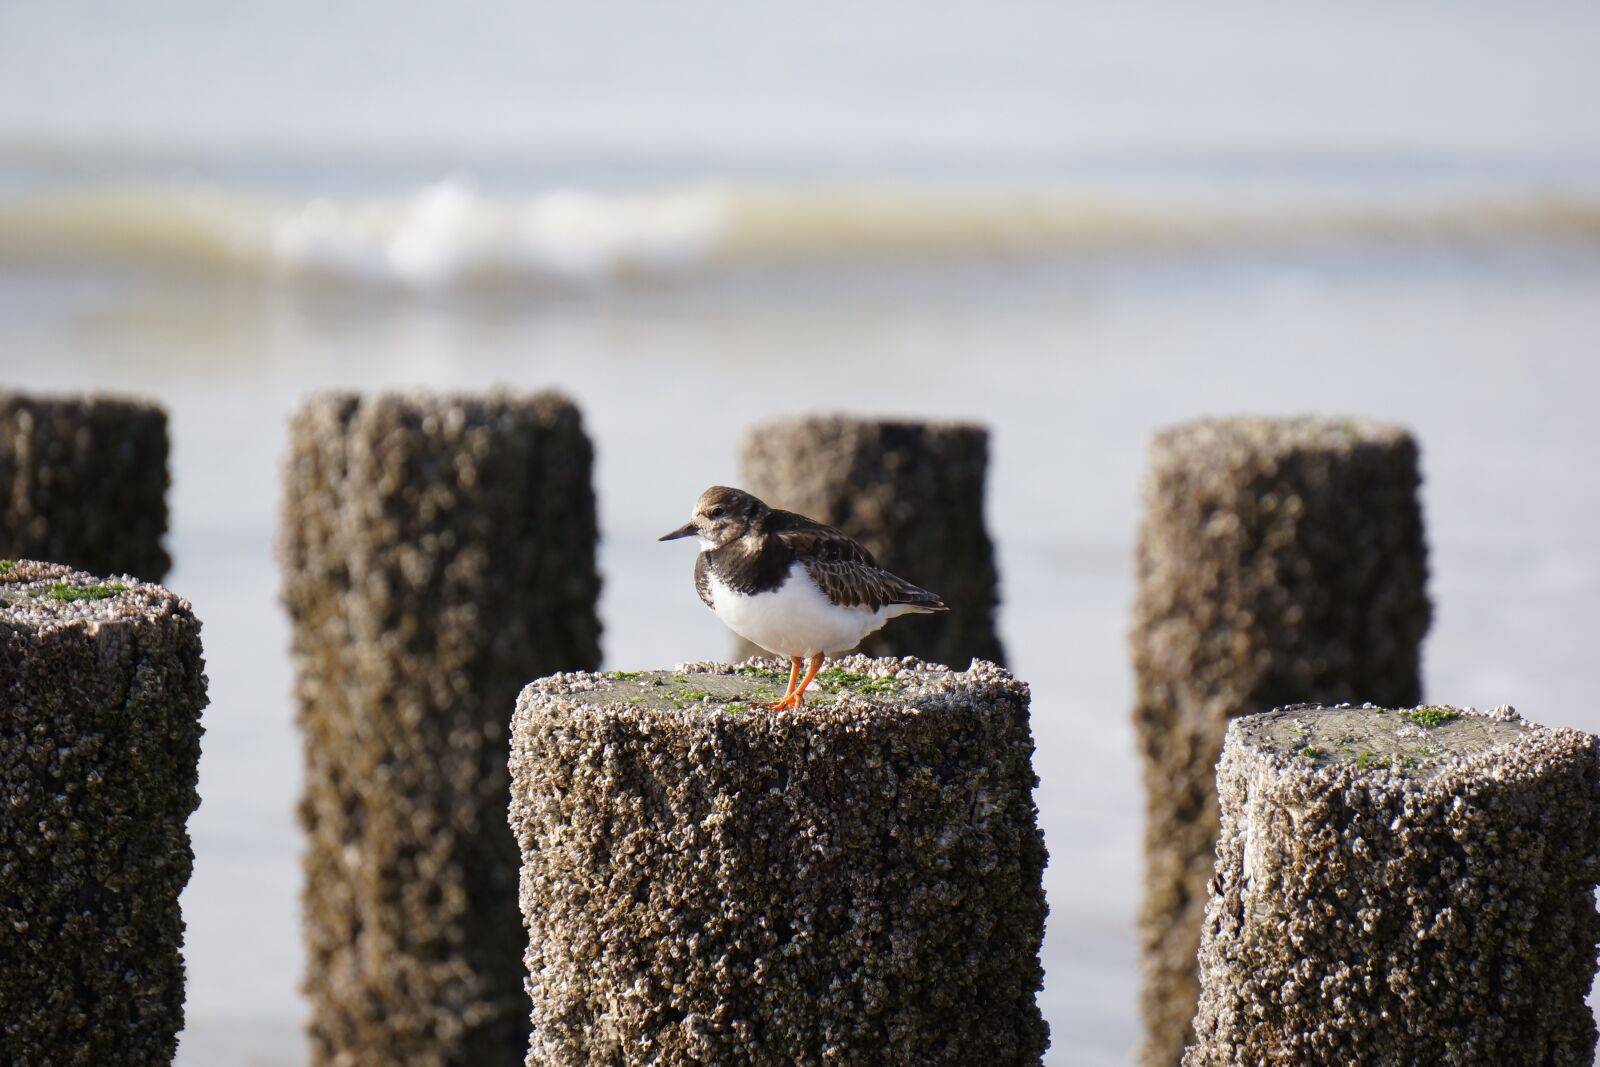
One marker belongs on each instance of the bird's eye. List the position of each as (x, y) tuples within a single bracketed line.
[(716, 512)]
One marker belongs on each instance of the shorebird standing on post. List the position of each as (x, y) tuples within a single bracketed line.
[(794, 586)]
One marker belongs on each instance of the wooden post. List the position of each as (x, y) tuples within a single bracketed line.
[(438, 553), (1401, 887), (101, 686), (83, 481), (855, 882)]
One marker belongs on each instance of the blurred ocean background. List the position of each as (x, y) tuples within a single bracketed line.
[(1075, 223)]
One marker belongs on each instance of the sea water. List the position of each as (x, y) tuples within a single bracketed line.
[(1074, 225)]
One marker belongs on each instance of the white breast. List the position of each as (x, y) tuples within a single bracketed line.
[(795, 619)]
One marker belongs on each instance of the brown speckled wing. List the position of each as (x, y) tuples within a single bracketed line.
[(850, 584), (842, 567), (808, 539)]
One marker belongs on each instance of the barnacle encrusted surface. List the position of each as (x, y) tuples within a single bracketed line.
[(912, 493), (1279, 561), (1402, 893), (854, 882), (83, 481), (438, 552), (101, 687)]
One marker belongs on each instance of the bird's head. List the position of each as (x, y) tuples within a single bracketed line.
[(720, 515)]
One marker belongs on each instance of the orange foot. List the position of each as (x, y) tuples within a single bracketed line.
[(788, 694), (796, 698)]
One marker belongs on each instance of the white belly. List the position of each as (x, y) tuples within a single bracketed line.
[(796, 619)]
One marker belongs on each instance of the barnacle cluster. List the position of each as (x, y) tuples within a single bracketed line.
[(1433, 905), (438, 552), (1279, 560), (100, 700), (855, 881), (84, 480)]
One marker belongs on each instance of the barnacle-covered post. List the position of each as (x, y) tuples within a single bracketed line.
[(101, 687), (438, 551), (854, 882), (83, 481), (1401, 887), (1279, 561), (913, 494)]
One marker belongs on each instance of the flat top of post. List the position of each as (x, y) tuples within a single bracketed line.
[(846, 689), (1416, 743), (1260, 435), (425, 402), (127, 404), (835, 423), (40, 597)]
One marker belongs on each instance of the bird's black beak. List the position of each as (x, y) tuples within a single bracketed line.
[(688, 529)]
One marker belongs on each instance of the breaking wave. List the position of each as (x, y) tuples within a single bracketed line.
[(448, 234)]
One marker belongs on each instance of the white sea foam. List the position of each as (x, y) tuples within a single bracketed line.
[(448, 234)]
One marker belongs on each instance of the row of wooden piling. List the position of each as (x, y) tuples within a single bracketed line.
[(439, 552), (1279, 561)]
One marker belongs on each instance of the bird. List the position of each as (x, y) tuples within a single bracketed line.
[(794, 586)]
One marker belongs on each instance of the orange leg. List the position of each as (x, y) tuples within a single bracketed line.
[(794, 672), (798, 697)]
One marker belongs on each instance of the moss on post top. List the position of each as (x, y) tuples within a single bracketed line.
[(1423, 743), (40, 597), (845, 690)]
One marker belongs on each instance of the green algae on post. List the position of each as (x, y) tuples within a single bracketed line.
[(1411, 741), (1431, 715), (90, 591), (837, 678), (752, 683), (752, 669)]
